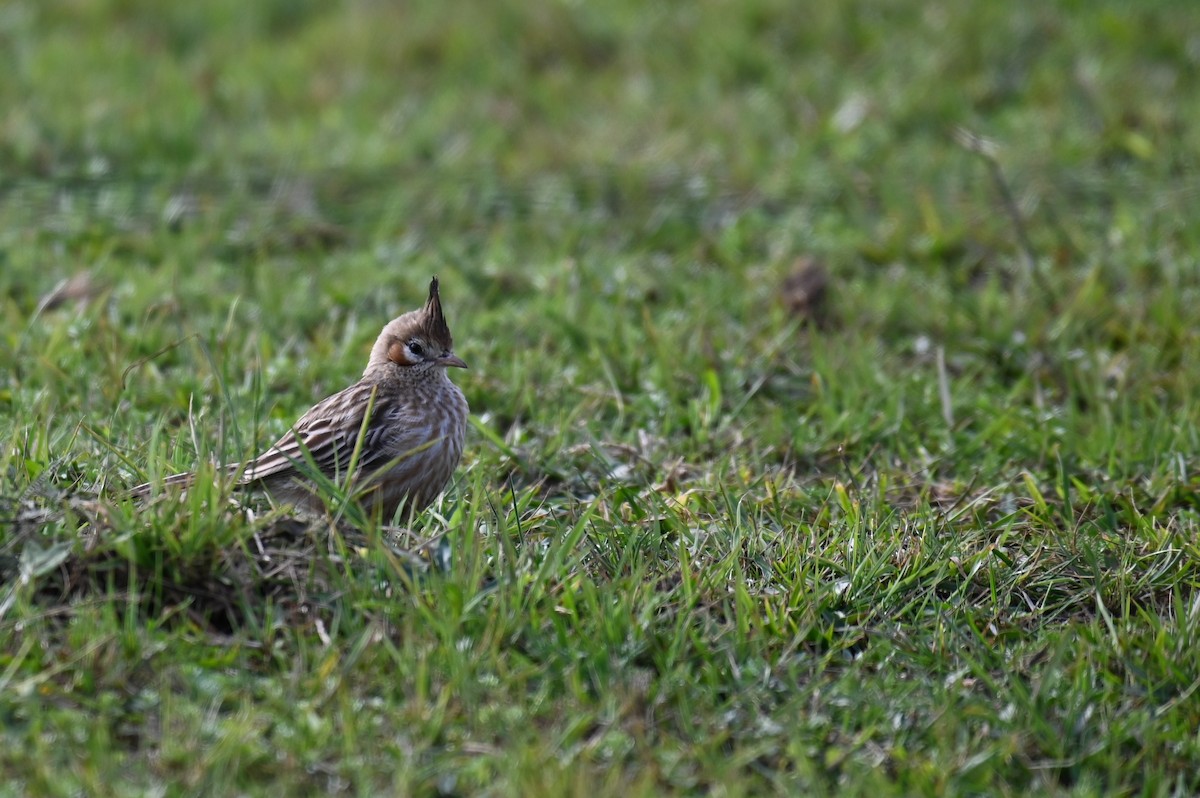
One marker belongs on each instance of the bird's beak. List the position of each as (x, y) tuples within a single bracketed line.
[(451, 360)]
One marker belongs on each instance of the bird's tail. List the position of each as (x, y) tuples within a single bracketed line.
[(184, 480)]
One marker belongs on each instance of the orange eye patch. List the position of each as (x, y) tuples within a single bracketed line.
[(398, 354)]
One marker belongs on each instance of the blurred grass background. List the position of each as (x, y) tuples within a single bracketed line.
[(803, 461)]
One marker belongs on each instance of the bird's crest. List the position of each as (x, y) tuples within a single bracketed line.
[(433, 322)]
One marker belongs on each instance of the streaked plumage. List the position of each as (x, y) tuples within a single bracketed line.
[(411, 444)]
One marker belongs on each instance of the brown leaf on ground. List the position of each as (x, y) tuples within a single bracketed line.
[(805, 291), (81, 288)]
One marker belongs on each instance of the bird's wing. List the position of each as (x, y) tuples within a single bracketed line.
[(326, 435)]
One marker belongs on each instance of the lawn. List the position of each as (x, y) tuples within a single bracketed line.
[(833, 383)]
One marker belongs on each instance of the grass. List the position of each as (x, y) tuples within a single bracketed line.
[(934, 531)]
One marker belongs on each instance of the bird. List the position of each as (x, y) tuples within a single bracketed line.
[(405, 417)]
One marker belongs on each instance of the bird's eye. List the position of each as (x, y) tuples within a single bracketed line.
[(415, 347)]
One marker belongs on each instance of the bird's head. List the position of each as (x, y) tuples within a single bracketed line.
[(417, 342)]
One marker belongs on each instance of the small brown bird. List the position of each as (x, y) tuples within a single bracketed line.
[(410, 444)]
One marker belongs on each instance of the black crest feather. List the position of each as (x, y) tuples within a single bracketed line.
[(433, 322)]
